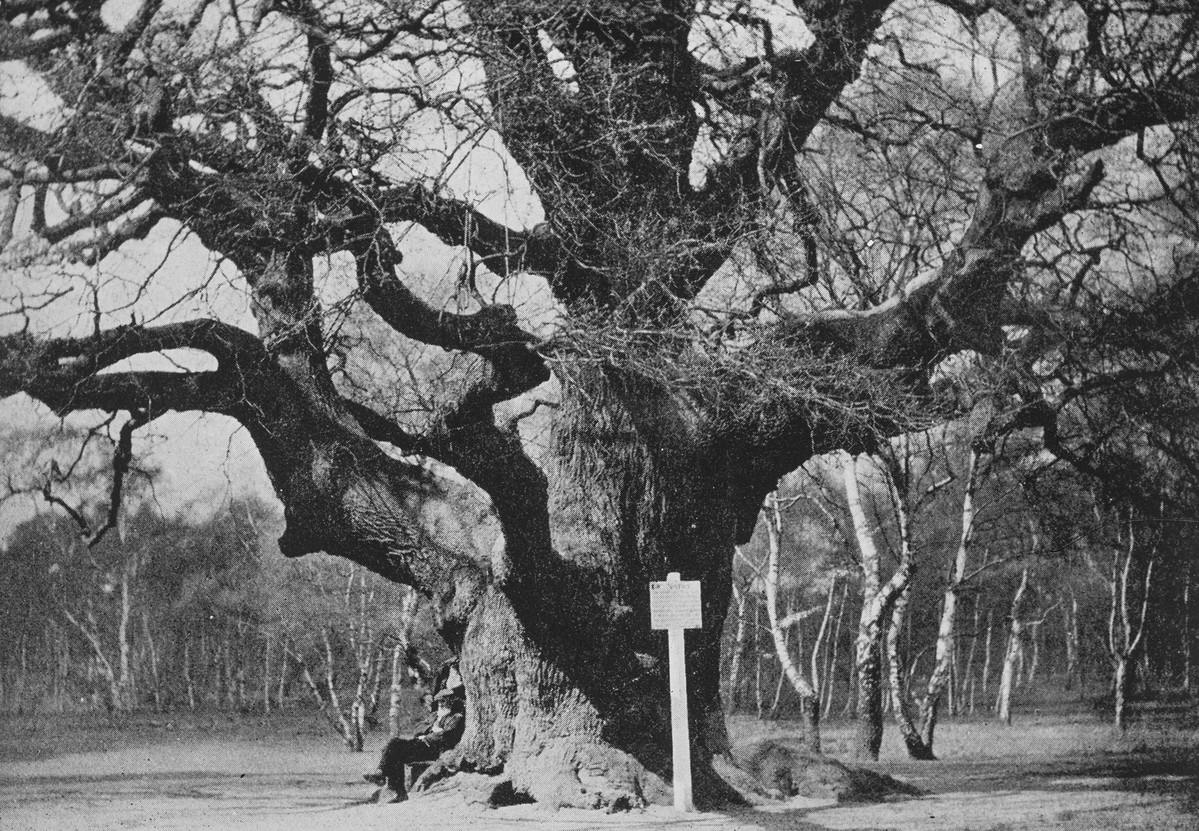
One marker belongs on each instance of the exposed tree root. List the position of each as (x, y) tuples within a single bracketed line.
[(786, 768), (565, 774)]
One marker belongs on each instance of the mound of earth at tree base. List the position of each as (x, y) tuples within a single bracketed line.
[(498, 791), (774, 767), (786, 768)]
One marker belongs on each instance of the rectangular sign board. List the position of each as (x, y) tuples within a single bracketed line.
[(674, 604)]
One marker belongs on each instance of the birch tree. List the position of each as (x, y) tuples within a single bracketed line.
[(1013, 651), (804, 685), (1127, 618), (878, 598), (947, 633)]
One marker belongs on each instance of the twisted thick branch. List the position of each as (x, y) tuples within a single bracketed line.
[(65, 373)]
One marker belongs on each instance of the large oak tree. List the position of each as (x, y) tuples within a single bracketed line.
[(675, 149)]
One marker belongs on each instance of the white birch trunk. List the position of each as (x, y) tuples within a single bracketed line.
[(152, 649), (985, 682), (397, 690), (912, 740), (1070, 618), (801, 685), (876, 604), (740, 597), (940, 676), (1124, 640), (1186, 632), (1003, 703), (830, 674)]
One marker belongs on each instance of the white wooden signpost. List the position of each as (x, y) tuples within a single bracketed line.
[(674, 605)]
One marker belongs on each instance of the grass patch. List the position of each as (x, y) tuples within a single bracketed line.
[(1035, 736), (45, 736)]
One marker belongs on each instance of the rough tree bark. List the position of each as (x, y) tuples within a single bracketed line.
[(649, 467)]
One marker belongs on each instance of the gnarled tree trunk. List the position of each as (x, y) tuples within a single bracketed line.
[(566, 683)]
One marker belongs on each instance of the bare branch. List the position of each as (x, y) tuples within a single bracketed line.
[(506, 250), (30, 41), (129, 37), (107, 211), (492, 332), (121, 458), (380, 428), (320, 73)]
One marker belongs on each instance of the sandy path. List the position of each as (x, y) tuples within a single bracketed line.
[(259, 787)]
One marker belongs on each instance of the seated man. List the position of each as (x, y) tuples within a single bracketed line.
[(442, 734), (449, 678)]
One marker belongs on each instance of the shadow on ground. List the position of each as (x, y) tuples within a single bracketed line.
[(78, 792), (284, 777)]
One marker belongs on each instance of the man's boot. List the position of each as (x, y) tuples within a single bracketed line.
[(394, 790), (375, 777)]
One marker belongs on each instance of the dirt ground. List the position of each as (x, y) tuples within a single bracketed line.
[(1040, 775)]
